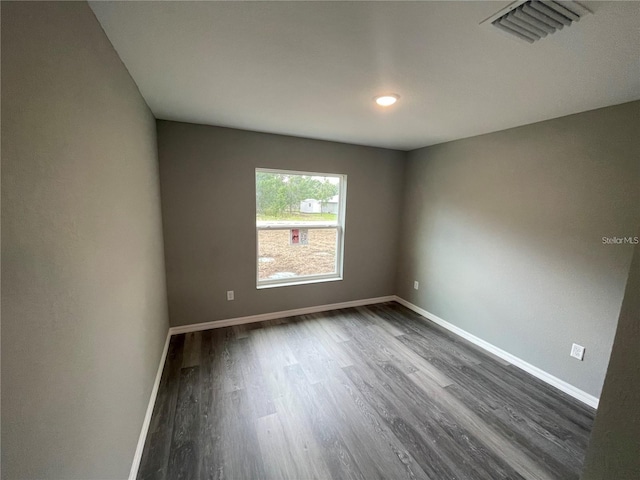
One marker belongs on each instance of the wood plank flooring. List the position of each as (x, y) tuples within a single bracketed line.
[(364, 393)]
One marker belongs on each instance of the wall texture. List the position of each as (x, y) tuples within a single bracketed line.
[(615, 438), (83, 289), (207, 177), (504, 232)]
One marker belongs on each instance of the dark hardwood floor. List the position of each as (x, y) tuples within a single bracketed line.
[(364, 393)]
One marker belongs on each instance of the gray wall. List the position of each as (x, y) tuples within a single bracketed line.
[(615, 439), (83, 290), (207, 177), (503, 231)]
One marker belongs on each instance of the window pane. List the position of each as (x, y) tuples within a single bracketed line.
[(287, 198), (278, 258)]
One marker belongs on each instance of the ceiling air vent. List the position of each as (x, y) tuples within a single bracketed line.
[(535, 19)]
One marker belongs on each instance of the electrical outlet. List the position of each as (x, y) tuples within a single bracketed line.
[(230, 295), (416, 285), (577, 351)]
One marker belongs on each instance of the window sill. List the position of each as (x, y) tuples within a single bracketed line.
[(298, 282)]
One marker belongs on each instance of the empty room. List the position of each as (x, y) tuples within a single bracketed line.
[(291, 240)]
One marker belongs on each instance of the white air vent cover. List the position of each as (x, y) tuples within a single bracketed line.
[(535, 19)]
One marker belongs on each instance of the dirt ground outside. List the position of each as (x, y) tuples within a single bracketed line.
[(278, 259)]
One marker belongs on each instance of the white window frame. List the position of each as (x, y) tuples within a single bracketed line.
[(338, 226)]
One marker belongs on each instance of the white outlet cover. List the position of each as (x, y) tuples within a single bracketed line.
[(230, 295), (577, 351), (416, 284)]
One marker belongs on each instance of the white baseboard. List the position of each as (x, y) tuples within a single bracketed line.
[(147, 417), (567, 388), (195, 327)]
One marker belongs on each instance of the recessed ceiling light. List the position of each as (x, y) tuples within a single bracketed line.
[(387, 100)]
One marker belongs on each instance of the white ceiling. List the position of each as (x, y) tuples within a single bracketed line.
[(311, 69)]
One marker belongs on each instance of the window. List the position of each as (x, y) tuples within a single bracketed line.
[(299, 227)]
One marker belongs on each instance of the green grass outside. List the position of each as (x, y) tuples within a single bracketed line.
[(299, 217)]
